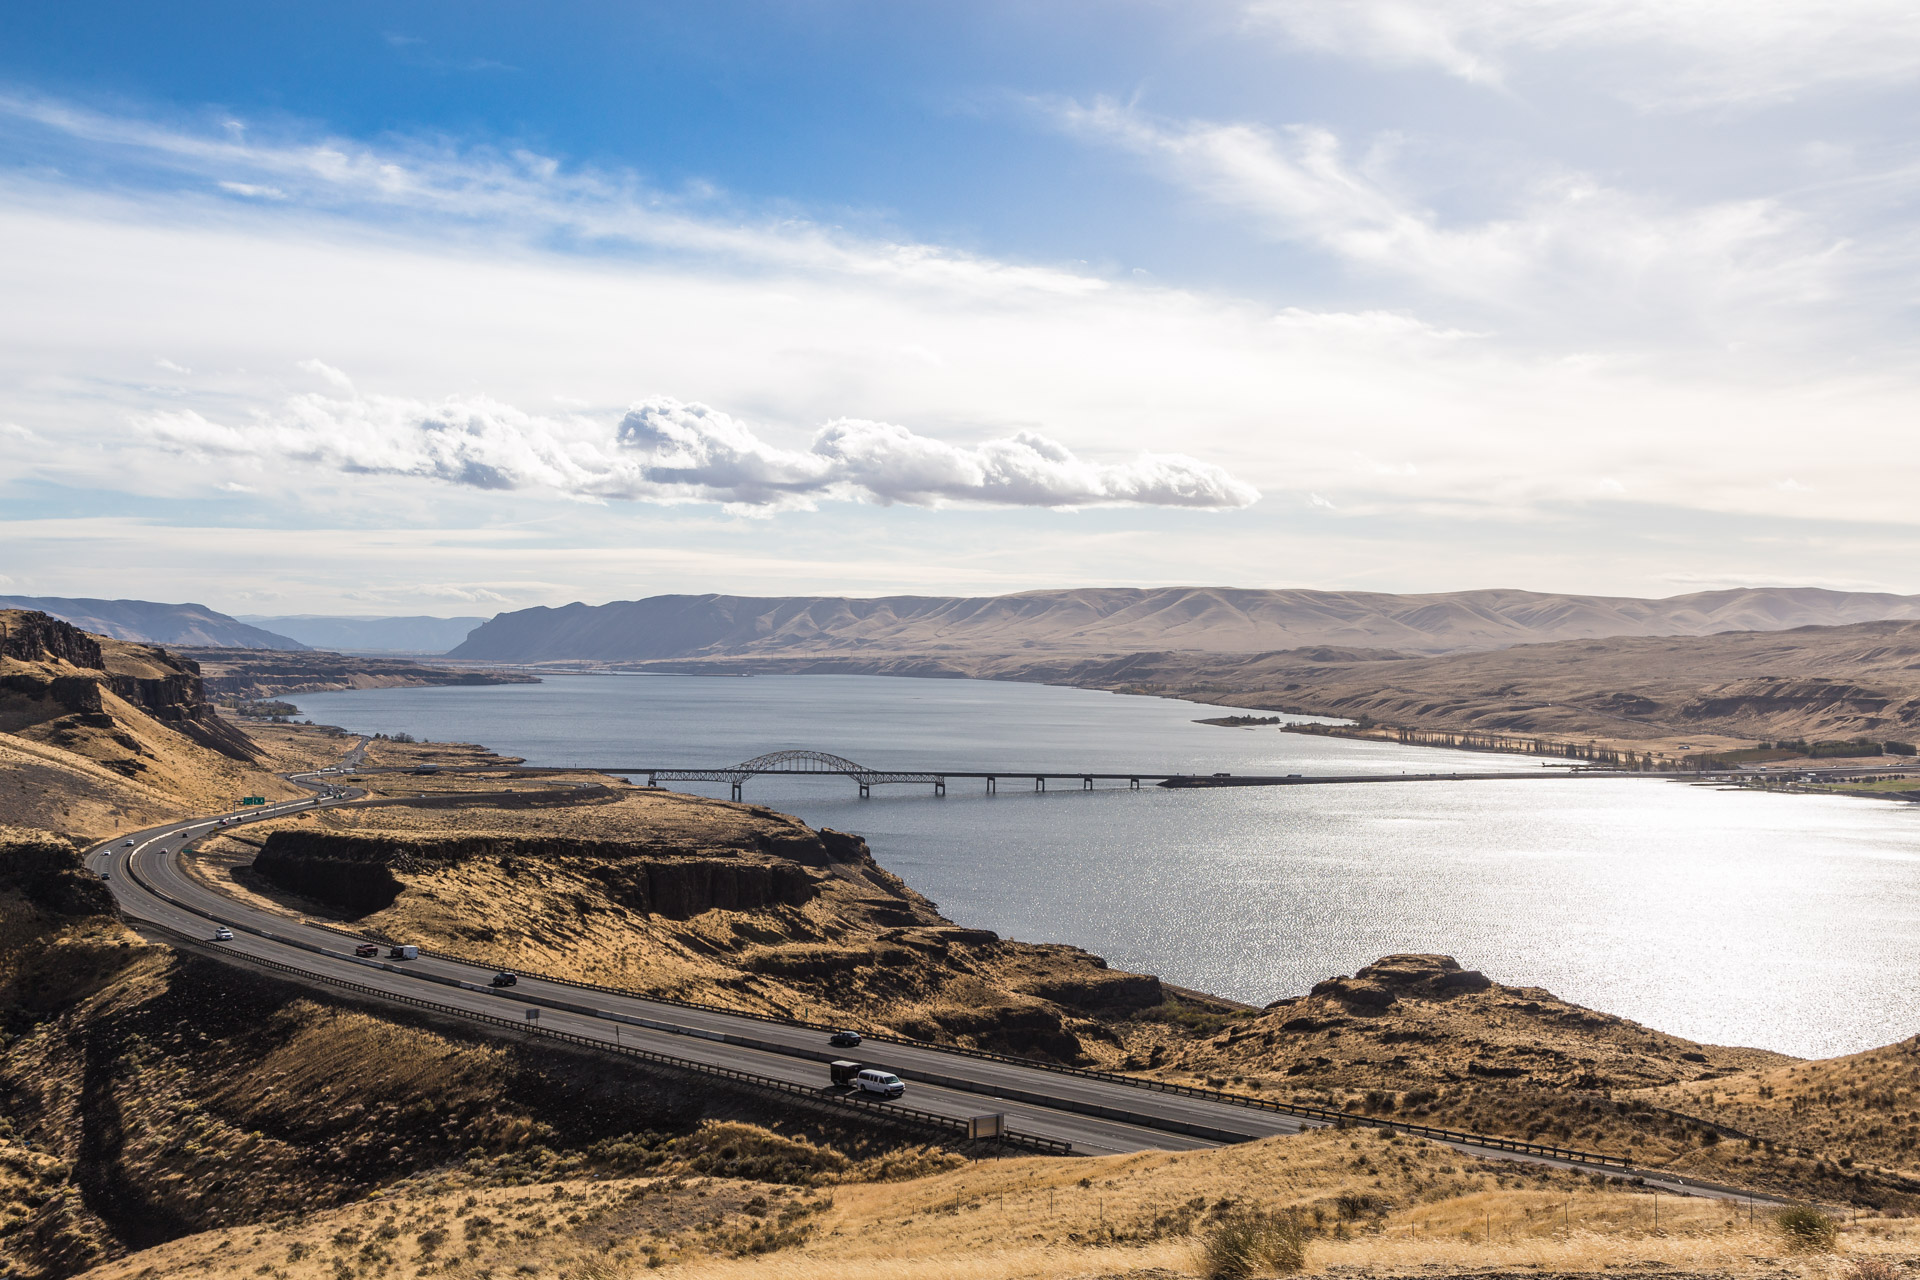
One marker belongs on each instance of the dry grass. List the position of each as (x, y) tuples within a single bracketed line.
[(91, 776), (863, 947), (1851, 1113), (1411, 1210)]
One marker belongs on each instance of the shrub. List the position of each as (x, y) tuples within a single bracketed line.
[(1807, 1230), (1248, 1243)]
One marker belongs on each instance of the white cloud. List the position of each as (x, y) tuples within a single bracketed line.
[(170, 366), (1574, 248), (664, 451), (1673, 52), (253, 191), (327, 373), (1476, 421), (527, 195)]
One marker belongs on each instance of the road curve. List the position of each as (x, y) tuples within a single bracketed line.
[(1096, 1116)]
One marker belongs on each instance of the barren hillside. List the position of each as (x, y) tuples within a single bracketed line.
[(98, 735), (957, 631), (1811, 682)]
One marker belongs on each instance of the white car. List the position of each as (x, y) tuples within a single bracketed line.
[(884, 1083), (126, 844), (223, 934)]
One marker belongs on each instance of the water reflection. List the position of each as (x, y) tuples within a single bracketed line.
[(1732, 917)]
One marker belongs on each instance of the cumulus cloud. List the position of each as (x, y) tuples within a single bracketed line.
[(666, 451)]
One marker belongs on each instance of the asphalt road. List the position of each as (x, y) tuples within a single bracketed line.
[(1034, 1100)]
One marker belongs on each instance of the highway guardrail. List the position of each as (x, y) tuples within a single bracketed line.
[(947, 1125), (1306, 1111)]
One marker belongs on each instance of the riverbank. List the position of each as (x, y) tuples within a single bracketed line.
[(1413, 1037)]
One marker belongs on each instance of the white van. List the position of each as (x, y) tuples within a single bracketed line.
[(884, 1083)]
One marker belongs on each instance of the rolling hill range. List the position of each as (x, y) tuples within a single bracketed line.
[(144, 621), (1812, 682), (1124, 620)]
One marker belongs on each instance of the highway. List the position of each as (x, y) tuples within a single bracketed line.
[(1094, 1114)]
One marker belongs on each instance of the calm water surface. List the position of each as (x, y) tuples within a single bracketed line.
[(1730, 917)]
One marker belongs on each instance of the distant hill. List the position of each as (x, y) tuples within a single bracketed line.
[(146, 621), (1856, 681), (358, 633), (1123, 620)]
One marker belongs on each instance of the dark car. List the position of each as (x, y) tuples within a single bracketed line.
[(366, 949), (505, 979), (844, 1040)]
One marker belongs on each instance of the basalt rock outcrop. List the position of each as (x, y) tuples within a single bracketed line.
[(363, 874), (1382, 984), (57, 672)]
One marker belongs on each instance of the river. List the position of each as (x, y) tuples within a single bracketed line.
[(1732, 917)]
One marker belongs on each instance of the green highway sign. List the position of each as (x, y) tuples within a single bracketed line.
[(254, 800)]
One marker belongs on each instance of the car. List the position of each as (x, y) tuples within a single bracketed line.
[(884, 1083), (105, 876), (844, 1040), (126, 844), (505, 979), (366, 950), (223, 934)]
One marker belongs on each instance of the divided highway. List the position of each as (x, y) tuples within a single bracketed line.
[(1094, 1115)]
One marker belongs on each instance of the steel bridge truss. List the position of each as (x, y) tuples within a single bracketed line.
[(798, 763)]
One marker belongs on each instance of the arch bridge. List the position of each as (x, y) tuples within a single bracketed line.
[(816, 764), (801, 763)]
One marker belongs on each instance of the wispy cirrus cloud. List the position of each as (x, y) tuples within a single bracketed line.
[(666, 451), (1569, 244), (522, 194), (1677, 54)]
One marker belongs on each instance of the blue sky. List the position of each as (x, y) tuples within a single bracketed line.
[(430, 307)]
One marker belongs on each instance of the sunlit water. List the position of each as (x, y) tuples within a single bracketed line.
[(1732, 917)]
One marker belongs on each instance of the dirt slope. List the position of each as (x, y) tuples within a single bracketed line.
[(1364, 1206), (99, 735)]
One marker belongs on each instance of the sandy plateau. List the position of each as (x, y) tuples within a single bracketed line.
[(163, 1113)]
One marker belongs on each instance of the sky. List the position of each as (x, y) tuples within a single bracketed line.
[(455, 308)]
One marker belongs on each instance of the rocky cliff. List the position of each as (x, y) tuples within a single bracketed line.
[(356, 872), (54, 670), (98, 735)]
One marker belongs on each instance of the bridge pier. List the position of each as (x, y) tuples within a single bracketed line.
[(1133, 784), (993, 786), (735, 787), (939, 786), (1086, 784), (1039, 783), (866, 791)]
